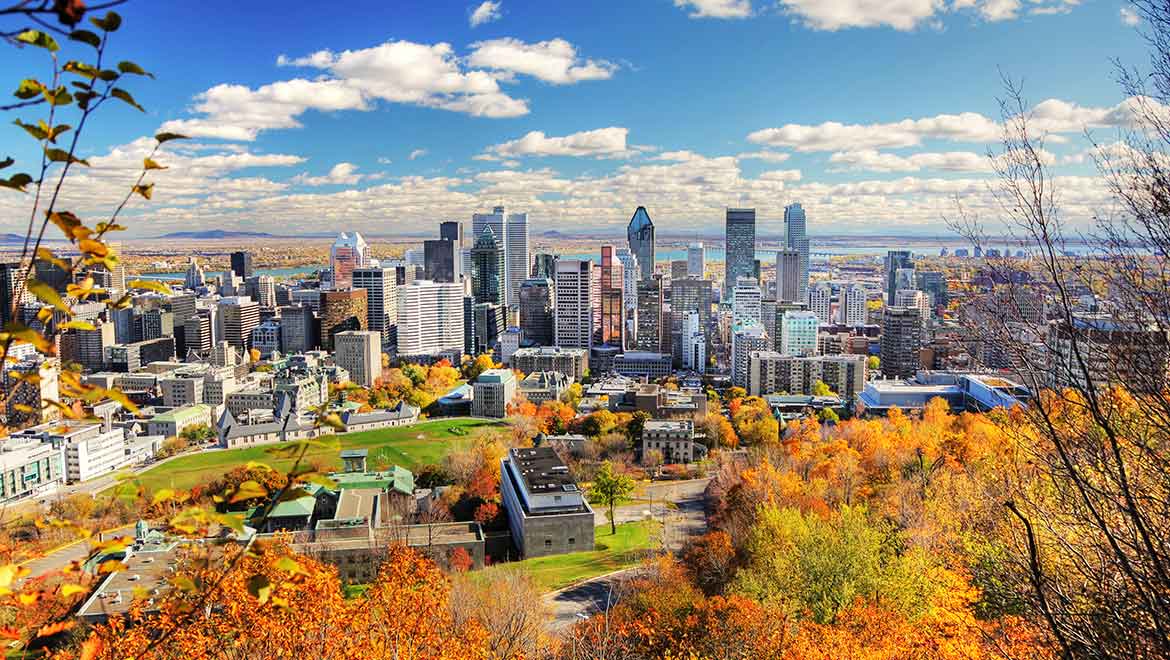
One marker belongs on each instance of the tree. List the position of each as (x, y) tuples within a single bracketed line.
[(572, 396), (820, 388), (510, 606), (636, 424), (873, 363), (480, 364), (608, 489)]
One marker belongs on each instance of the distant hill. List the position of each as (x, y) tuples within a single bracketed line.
[(11, 238), (218, 233)]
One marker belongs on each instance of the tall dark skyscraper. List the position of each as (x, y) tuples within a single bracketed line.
[(640, 233), (441, 260), (740, 259), (488, 269), (452, 231), (537, 310), (545, 265), (242, 264), (9, 274), (649, 334)]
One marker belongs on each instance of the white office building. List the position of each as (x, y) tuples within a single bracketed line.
[(745, 305), (575, 287), (511, 231), (798, 333), (914, 299), (381, 299), (430, 318), (745, 340), (852, 310), (695, 344)]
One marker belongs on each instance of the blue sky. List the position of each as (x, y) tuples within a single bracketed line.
[(387, 117)]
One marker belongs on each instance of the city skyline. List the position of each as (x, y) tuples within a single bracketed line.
[(286, 127)]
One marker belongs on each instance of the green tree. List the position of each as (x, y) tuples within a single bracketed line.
[(820, 388), (636, 424), (829, 415), (572, 396), (608, 489), (873, 363)]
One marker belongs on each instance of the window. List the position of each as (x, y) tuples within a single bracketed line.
[(556, 498), (548, 543), (572, 540)]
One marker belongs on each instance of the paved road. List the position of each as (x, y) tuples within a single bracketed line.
[(680, 522), (60, 558)]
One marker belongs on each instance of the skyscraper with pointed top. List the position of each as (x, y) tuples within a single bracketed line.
[(640, 233)]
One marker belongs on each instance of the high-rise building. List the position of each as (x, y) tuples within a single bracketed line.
[(262, 289), (342, 310), (853, 305), (488, 268), (430, 318), (934, 284), (771, 372), (678, 269), (537, 306), (914, 298), (516, 250), (745, 302), (242, 264), (651, 332), (745, 340), (490, 322), (798, 333), (688, 295), (237, 316), (696, 260), (796, 239), (442, 260), (640, 234), (631, 273), (575, 294), (695, 341), (901, 342), (349, 252), (381, 299), (297, 329), (788, 276), (52, 274), (360, 353), (9, 277), (740, 242), (611, 323), (896, 259), (820, 301), (452, 230), (195, 277), (197, 335), (544, 266)]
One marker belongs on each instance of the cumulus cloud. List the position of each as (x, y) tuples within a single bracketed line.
[(417, 153), (1130, 17), (765, 155), (876, 161), (486, 12), (340, 174), (555, 61), (428, 75), (602, 142), (716, 8), (1053, 116)]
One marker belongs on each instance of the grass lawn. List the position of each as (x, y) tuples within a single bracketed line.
[(408, 446), (612, 552)]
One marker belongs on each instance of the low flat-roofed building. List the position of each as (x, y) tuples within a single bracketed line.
[(643, 364), (89, 450), (29, 467), (962, 391), (173, 422), (547, 512), (659, 402), (573, 362)]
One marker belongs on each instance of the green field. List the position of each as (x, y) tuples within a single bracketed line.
[(408, 446), (632, 543)]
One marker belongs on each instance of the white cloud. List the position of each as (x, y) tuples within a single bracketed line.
[(555, 61), (907, 14), (340, 174), (716, 8), (383, 160), (1130, 17), (876, 161), (486, 12), (765, 155), (602, 142), (417, 153), (1053, 116)]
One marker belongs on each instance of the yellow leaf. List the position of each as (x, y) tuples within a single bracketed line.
[(248, 490), (27, 599), (68, 590), (96, 248), (146, 191), (77, 325), (162, 495), (151, 285), (47, 295), (149, 164), (290, 565)]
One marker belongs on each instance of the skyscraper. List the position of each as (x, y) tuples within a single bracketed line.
[(488, 269), (430, 318), (853, 305), (516, 252), (194, 278), (788, 275), (611, 325), (242, 264), (442, 261), (820, 301), (895, 260), (745, 302), (452, 231), (536, 310), (744, 340), (696, 260), (640, 234), (798, 333), (740, 241), (360, 353), (349, 252), (631, 273), (9, 276), (574, 303), (650, 332), (688, 295), (544, 266), (341, 310), (381, 299), (901, 342), (796, 239), (237, 317)]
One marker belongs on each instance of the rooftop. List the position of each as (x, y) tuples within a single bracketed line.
[(542, 469)]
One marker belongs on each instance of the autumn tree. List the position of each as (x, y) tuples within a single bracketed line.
[(608, 488)]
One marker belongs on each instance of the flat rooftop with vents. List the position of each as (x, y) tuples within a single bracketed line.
[(547, 511)]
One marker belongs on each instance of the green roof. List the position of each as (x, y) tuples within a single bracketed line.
[(397, 478), (184, 413), (299, 507)]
